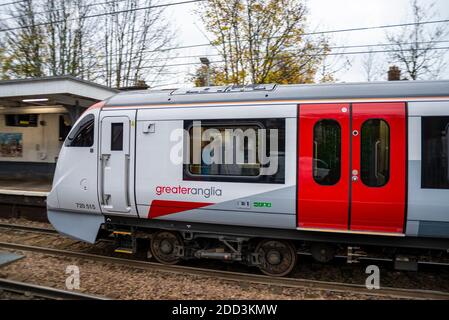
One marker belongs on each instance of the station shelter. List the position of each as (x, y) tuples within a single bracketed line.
[(35, 117)]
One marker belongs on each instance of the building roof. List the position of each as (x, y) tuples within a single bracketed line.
[(59, 90), (393, 89)]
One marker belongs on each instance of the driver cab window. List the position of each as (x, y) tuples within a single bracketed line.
[(83, 134)]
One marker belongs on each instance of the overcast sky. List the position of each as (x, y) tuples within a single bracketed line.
[(323, 15)]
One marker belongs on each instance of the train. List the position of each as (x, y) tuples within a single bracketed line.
[(259, 173)]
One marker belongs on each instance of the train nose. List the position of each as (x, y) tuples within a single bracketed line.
[(52, 199)]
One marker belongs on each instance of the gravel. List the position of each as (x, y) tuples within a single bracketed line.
[(132, 283), (121, 282)]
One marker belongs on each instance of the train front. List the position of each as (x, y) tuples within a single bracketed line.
[(72, 205)]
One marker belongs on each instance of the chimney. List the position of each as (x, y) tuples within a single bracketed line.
[(394, 74)]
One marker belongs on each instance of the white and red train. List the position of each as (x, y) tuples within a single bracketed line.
[(253, 173)]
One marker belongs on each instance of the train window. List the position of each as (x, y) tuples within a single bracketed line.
[(375, 153), (117, 136), (434, 162), (83, 134), (244, 150), (327, 152)]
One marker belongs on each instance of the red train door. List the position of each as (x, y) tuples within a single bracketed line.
[(323, 151), (378, 167), (351, 171)]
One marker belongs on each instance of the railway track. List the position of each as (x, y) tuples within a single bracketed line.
[(36, 291), (385, 292), (27, 228), (53, 231)]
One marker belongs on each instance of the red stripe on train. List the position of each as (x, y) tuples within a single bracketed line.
[(165, 207)]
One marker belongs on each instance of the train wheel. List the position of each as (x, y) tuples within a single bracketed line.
[(277, 257), (163, 245)]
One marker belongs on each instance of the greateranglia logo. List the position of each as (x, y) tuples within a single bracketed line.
[(205, 192)]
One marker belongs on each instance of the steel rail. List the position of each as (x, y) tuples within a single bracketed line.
[(386, 292), (34, 290), (27, 228), (53, 231)]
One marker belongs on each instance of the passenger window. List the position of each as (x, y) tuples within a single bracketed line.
[(435, 157), (244, 150), (117, 136), (327, 152), (375, 153), (83, 134)]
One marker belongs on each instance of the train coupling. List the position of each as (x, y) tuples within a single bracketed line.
[(354, 254)]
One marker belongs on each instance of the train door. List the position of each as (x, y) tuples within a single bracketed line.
[(116, 178), (323, 181), (351, 170), (378, 167)]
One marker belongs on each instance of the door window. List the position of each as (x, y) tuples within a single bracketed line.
[(117, 136), (327, 152), (375, 153)]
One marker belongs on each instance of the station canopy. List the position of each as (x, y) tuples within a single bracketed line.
[(61, 94)]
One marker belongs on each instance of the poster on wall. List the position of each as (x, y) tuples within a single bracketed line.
[(11, 145)]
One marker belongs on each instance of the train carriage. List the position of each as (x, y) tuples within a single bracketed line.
[(253, 173)]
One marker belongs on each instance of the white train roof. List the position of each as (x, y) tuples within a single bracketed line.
[(269, 92)]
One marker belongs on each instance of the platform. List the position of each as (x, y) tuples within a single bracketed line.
[(24, 198), (30, 188)]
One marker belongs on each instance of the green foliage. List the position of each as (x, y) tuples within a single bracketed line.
[(262, 41)]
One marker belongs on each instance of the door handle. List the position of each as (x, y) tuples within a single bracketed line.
[(101, 186), (127, 175), (103, 159), (149, 127), (376, 159)]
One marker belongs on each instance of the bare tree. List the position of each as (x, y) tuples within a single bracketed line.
[(117, 42), (68, 33), (332, 64), (132, 43), (26, 45), (370, 65), (414, 49)]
